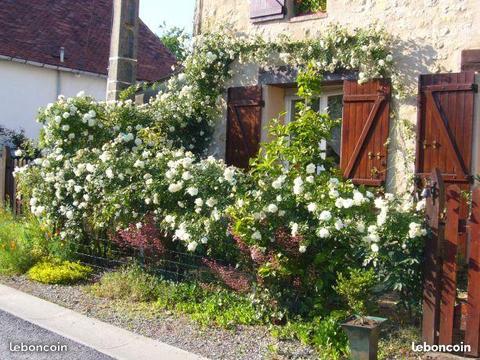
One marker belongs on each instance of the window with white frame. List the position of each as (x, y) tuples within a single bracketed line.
[(331, 103)]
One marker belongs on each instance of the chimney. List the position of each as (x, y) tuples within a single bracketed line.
[(122, 70)]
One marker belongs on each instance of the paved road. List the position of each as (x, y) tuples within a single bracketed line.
[(14, 331)]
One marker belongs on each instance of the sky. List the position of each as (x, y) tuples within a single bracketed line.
[(173, 12)]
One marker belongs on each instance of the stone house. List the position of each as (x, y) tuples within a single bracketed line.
[(48, 48), (435, 55)]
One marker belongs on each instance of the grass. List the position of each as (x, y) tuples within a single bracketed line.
[(204, 305), (22, 243)]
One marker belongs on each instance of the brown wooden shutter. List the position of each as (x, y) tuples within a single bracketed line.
[(471, 60), (445, 125), (444, 133), (264, 10), (365, 127), (244, 120)]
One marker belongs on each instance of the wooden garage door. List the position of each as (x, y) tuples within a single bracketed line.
[(243, 125)]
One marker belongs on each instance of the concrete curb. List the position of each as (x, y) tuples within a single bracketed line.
[(105, 338)]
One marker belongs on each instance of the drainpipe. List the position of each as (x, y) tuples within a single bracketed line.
[(59, 74), (197, 28), (122, 70)]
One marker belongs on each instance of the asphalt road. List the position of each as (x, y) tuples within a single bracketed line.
[(14, 331)]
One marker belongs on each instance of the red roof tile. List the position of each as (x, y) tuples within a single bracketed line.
[(35, 30)]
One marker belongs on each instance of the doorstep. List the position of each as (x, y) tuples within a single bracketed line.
[(105, 338)]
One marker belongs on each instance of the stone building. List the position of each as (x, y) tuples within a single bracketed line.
[(436, 37)]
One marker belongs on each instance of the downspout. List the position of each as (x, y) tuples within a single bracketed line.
[(59, 74)]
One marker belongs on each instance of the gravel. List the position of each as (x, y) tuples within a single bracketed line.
[(244, 342)]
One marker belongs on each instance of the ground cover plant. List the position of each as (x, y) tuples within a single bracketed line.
[(279, 236), (54, 271)]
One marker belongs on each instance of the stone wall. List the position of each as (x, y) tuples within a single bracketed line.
[(431, 35)]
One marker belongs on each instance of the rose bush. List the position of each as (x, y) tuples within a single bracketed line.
[(289, 225)]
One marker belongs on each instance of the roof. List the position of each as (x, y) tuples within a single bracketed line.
[(36, 30)]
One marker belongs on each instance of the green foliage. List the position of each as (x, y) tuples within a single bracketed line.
[(206, 305), (177, 40), (323, 333), (23, 241), (128, 283), (309, 6), (59, 272), (357, 289)]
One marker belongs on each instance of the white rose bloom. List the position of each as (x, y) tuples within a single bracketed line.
[(421, 205), (66, 128), (361, 226), (18, 153), (311, 168), (229, 174), (187, 176), (211, 202), (324, 233), (109, 173), (277, 184), (199, 202), (325, 215), (375, 248), (257, 235), (347, 203), (294, 227), (192, 191), (382, 218), (272, 208), (333, 194), (169, 219), (358, 198), (380, 203), (302, 249), (192, 246), (69, 214), (339, 203), (339, 225), (312, 207), (173, 188)]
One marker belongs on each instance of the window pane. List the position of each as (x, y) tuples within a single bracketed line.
[(335, 110)]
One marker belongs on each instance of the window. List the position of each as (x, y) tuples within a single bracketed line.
[(331, 102)]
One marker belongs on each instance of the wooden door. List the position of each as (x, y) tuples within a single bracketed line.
[(244, 120)]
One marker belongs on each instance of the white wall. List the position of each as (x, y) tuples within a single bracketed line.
[(25, 88)]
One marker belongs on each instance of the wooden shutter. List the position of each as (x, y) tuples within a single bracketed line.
[(244, 120), (365, 127), (444, 133), (445, 126), (471, 60), (265, 10)]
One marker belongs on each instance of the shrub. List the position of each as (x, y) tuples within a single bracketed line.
[(323, 333), (130, 283), (59, 272), (22, 243), (356, 289)]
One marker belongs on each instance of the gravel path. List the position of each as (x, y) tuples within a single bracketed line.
[(250, 342), (15, 331)]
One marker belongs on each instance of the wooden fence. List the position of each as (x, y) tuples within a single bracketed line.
[(8, 184), (448, 318)]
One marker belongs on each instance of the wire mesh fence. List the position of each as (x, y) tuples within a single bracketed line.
[(105, 255)]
